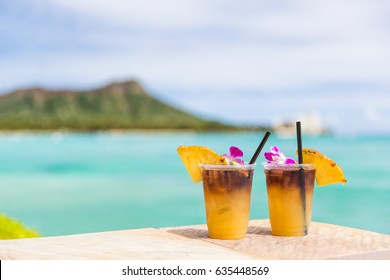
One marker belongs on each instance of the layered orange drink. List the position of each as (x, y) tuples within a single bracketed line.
[(290, 188), (290, 193), (227, 186), (227, 195)]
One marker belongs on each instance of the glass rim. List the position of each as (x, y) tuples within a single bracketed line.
[(290, 165), (246, 166)]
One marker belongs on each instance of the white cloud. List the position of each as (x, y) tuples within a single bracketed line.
[(372, 114), (214, 49), (337, 20), (281, 46), (144, 14)]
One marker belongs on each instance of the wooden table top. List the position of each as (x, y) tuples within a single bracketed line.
[(324, 241)]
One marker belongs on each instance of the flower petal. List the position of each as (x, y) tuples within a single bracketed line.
[(289, 161), (235, 152), (240, 161), (269, 156), (228, 158), (275, 150), (277, 157)]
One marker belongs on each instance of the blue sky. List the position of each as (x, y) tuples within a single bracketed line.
[(255, 62)]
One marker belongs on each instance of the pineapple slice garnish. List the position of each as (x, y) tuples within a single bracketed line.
[(192, 156), (327, 171)]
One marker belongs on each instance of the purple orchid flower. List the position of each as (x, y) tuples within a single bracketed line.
[(276, 156), (234, 156)]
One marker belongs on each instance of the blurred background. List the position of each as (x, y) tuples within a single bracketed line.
[(248, 63), (253, 61)]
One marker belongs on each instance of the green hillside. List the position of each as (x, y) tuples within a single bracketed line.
[(116, 106)]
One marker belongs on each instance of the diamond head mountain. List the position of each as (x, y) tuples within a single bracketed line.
[(123, 105)]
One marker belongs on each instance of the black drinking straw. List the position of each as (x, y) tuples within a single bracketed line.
[(301, 172), (260, 147), (299, 142)]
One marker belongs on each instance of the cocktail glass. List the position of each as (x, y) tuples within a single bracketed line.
[(227, 195), (290, 190)]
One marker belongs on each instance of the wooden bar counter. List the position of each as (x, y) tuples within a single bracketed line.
[(324, 241)]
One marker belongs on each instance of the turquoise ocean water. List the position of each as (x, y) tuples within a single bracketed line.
[(77, 183)]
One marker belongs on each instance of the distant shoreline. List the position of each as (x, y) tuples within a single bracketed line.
[(194, 131), (119, 131)]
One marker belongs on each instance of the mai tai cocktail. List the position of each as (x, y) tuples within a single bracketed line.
[(290, 188), (227, 195), (227, 185), (289, 201)]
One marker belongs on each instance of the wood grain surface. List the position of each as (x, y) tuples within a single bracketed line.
[(324, 241), (116, 245)]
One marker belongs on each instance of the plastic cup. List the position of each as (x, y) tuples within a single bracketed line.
[(227, 196), (290, 190)]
